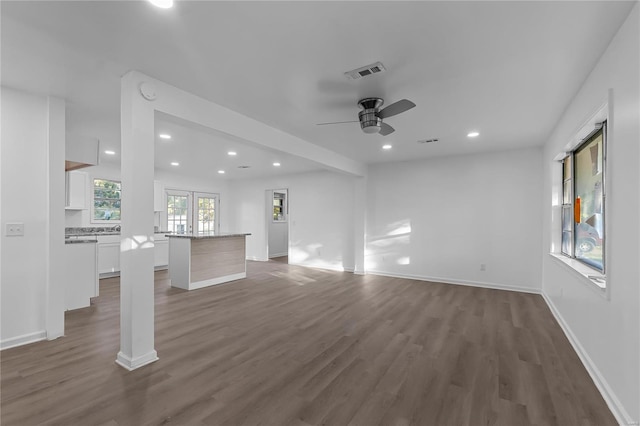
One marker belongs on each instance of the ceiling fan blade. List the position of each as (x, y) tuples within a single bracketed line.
[(396, 108), (337, 122), (385, 129)]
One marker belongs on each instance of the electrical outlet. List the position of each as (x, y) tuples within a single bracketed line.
[(483, 267), (14, 229)]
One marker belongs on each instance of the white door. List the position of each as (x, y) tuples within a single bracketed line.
[(205, 209), (179, 212)]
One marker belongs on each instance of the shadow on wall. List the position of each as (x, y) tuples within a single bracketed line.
[(313, 255), (389, 248)]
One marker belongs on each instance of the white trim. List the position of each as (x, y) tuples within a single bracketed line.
[(133, 363), (25, 339), (616, 407), (596, 281), (494, 286), (284, 253), (92, 193), (325, 267), (256, 259), (215, 281), (589, 125)]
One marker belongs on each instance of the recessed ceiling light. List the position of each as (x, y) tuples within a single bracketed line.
[(164, 136), (232, 153), (387, 146), (473, 134), (221, 172), (175, 163), (110, 152), (276, 164), (163, 4)]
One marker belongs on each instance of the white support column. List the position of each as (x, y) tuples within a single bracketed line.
[(359, 223), (54, 321), (136, 246)]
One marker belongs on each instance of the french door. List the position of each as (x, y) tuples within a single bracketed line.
[(192, 212)]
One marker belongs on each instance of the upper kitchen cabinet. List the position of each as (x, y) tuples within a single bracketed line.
[(158, 196), (81, 151), (76, 190)]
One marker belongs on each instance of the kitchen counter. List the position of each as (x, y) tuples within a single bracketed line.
[(81, 273), (78, 241), (210, 235), (97, 231), (202, 260)]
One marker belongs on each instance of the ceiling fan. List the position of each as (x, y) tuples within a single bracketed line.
[(371, 116)]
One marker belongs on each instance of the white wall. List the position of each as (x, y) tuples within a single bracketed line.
[(320, 217), (440, 219), (76, 218), (29, 128), (605, 332)]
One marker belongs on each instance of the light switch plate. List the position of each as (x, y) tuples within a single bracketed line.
[(14, 229)]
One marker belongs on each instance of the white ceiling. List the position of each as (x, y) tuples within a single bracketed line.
[(505, 69)]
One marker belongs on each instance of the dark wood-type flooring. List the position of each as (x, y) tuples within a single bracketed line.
[(298, 346)]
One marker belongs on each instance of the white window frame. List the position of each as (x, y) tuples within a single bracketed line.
[(597, 281), (600, 128), (93, 195), (192, 208), (285, 205), (216, 220)]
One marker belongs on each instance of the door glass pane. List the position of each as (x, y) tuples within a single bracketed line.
[(177, 213), (206, 215), (588, 186)]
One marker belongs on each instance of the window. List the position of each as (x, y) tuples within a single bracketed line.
[(106, 200), (188, 210), (205, 211), (583, 201), (280, 205), (178, 212)]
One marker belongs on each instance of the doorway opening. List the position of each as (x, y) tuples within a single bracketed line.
[(277, 225)]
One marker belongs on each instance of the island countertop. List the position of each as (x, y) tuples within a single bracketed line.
[(208, 235)]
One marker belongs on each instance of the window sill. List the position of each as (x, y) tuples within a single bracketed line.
[(594, 277)]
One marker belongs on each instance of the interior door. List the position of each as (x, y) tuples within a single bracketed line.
[(205, 209)]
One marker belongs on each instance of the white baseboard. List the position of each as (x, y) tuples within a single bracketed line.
[(23, 340), (257, 259), (325, 267), (494, 286), (616, 407), (215, 281), (133, 363), (271, 256)]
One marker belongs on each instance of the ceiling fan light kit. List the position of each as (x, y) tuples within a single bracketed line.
[(369, 120), (371, 116)]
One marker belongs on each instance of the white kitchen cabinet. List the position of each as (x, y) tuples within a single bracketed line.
[(158, 196), (81, 281), (76, 190), (109, 255), (161, 254)]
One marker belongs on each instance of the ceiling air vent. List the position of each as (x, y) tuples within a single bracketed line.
[(243, 167), (428, 140), (365, 71)]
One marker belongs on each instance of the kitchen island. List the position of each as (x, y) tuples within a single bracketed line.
[(202, 260)]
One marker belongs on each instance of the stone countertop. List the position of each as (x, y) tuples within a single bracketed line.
[(76, 241), (211, 235), (91, 234), (97, 234)]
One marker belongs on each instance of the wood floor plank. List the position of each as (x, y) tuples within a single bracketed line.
[(298, 346)]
